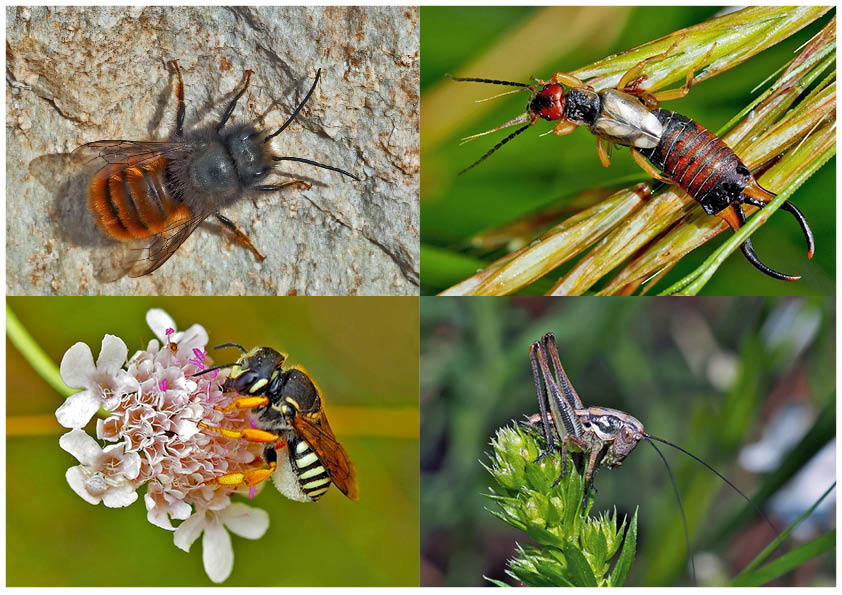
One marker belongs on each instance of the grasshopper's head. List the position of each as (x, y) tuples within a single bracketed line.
[(618, 428)]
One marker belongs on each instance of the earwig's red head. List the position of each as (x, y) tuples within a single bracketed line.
[(548, 103)]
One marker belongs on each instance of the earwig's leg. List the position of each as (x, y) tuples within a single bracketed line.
[(634, 72), (239, 236), (649, 168), (245, 403), (564, 382), (247, 434), (179, 93), (564, 127), (230, 109), (274, 187), (566, 79), (685, 88), (749, 253), (542, 401), (602, 151)]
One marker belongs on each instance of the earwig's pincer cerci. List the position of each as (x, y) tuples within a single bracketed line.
[(681, 150)]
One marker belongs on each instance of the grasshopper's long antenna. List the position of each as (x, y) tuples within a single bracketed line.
[(722, 477), (680, 506)]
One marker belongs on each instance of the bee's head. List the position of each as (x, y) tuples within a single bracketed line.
[(254, 371), (298, 395)]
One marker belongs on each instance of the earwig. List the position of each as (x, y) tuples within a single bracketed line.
[(566, 421), (681, 150)]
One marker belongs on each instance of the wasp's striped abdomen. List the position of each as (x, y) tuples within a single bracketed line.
[(313, 478), (134, 201), (698, 161)]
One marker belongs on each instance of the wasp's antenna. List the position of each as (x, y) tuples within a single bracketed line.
[(722, 477), (240, 347), (298, 109), (487, 81), (519, 120), (680, 506), (495, 147), (317, 164)]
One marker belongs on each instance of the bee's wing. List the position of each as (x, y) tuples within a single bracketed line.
[(160, 247), (330, 452), (127, 152)]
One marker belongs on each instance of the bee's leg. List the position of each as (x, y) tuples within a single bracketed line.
[(230, 109), (179, 93), (274, 187), (253, 477), (248, 434), (240, 237)]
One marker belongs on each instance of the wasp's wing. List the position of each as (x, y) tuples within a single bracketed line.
[(321, 438)]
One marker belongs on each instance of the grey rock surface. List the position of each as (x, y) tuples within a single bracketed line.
[(78, 74)]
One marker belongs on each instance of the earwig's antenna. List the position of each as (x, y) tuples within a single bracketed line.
[(519, 120), (317, 164), (722, 477), (680, 507), (488, 81), (495, 147), (298, 109)]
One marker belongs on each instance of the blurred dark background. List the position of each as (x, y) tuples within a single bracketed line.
[(747, 384), (363, 352), (533, 172)]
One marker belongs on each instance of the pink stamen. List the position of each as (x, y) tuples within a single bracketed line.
[(164, 385), (252, 490), (169, 331), (251, 423)]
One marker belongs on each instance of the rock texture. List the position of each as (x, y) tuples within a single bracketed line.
[(76, 75)]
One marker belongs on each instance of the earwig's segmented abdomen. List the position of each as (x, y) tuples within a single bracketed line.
[(704, 166), (132, 202)]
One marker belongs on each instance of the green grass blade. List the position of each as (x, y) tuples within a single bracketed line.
[(787, 562), (624, 562)]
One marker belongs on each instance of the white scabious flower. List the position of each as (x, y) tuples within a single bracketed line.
[(155, 403)]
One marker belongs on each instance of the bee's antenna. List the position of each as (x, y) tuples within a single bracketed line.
[(680, 506), (317, 164), (722, 477), (298, 109)]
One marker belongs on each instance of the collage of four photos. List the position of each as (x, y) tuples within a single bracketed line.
[(437, 296)]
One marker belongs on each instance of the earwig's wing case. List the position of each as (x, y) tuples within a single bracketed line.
[(320, 437)]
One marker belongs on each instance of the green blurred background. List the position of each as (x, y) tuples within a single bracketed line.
[(364, 354), (705, 373), (533, 172)]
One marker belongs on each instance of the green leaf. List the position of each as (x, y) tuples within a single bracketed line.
[(787, 562), (496, 582), (580, 570), (624, 562)]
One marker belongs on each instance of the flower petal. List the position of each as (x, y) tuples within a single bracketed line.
[(78, 409), (77, 480), (112, 355), (80, 445), (217, 553), (119, 496), (189, 531), (245, 521), (159, 321), (77, 366)]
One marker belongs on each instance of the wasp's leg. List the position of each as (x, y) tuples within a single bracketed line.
[(649, 168), (248, 434), (253, 477), (246, 403), (179, 93), (230, 109), (274, 187), (239, 236)]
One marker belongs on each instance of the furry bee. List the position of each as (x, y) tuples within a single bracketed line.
[(302, 453), (153, 195)]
